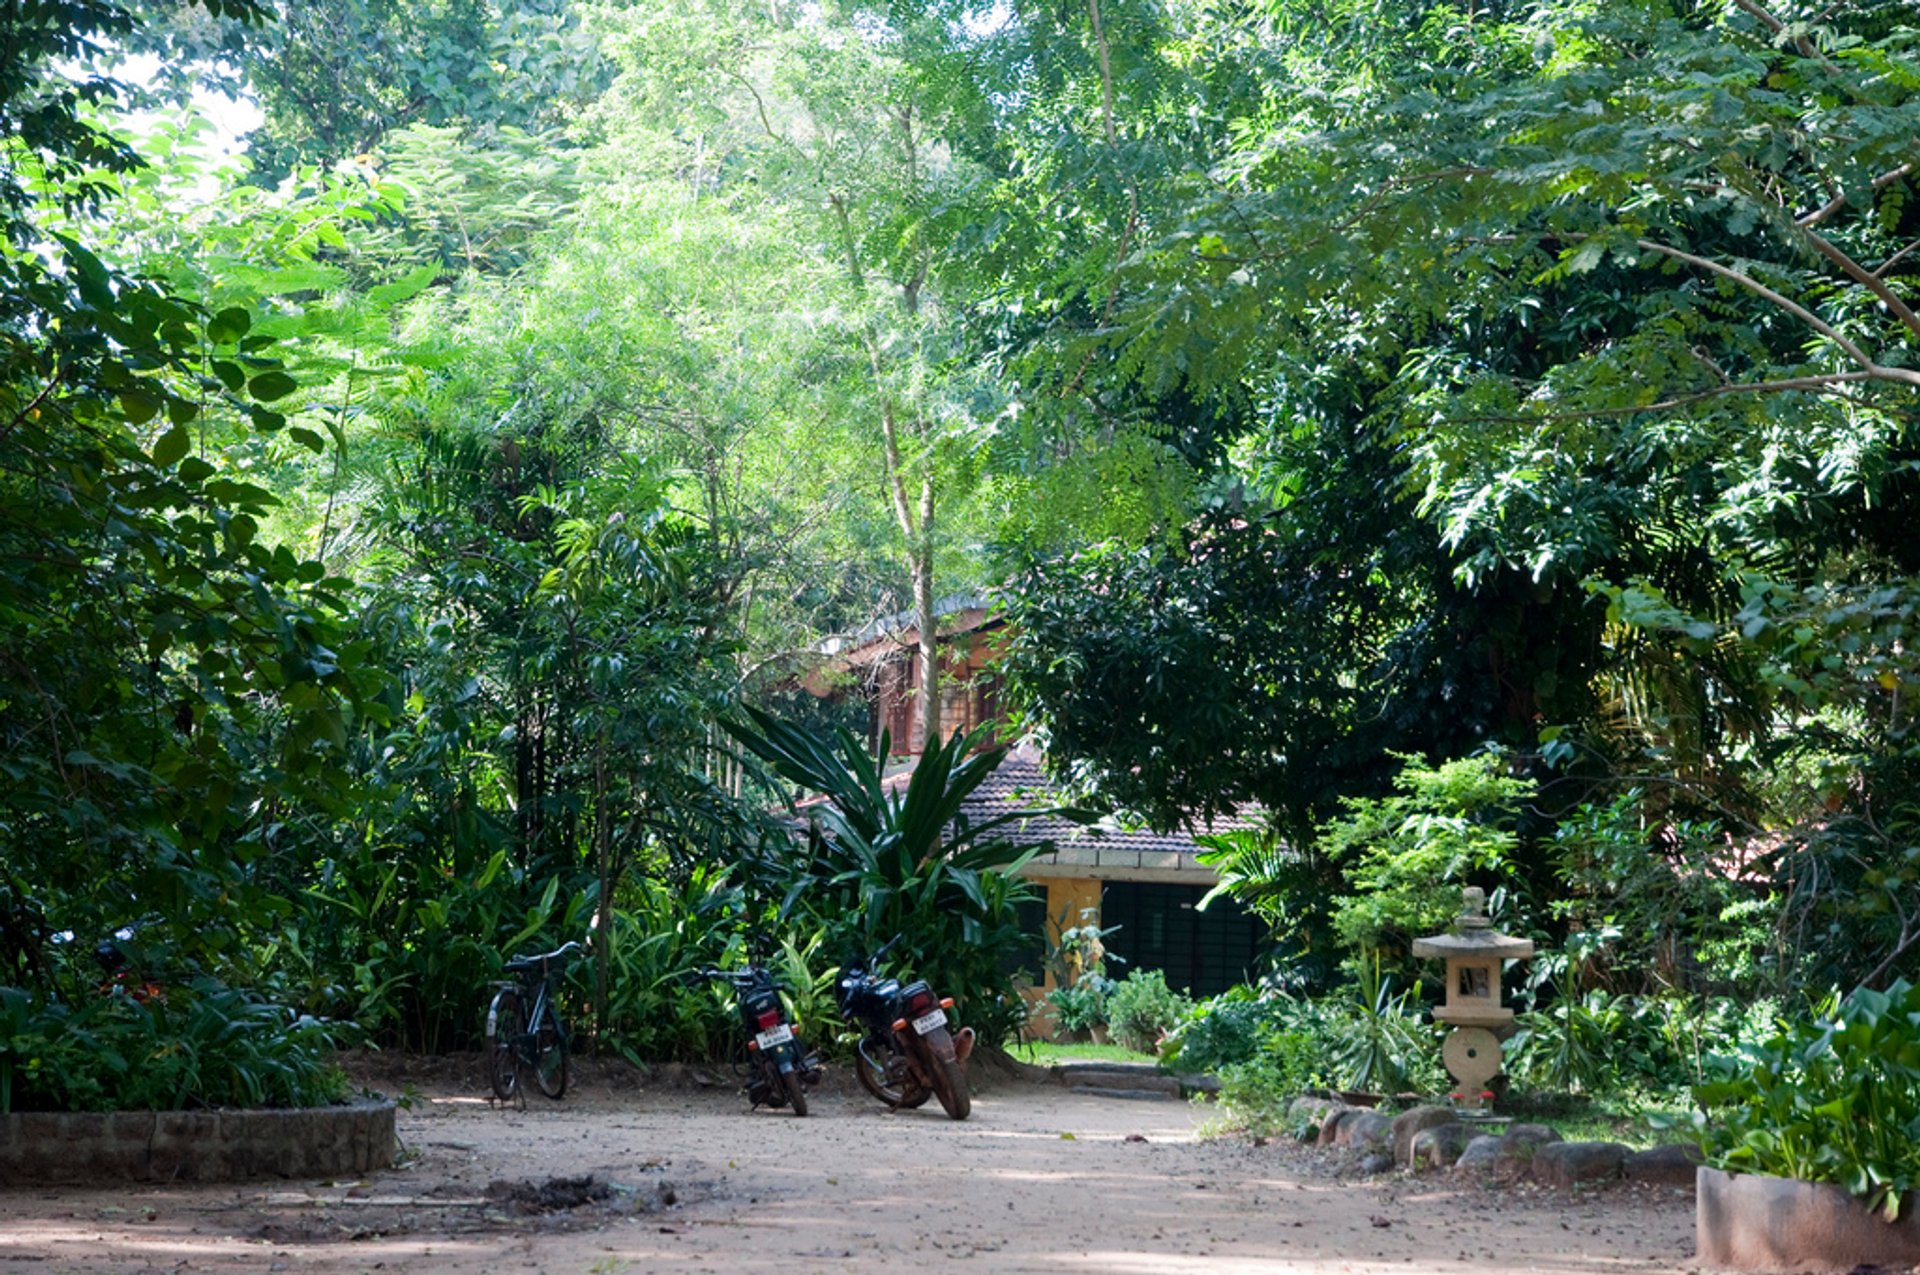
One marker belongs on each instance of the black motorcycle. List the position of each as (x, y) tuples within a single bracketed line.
[(906, 1052), (779, 1069)]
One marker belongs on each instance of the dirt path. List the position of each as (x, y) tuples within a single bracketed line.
[(1038, 1180)]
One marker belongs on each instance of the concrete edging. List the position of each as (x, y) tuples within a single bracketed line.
[(342, 1140), (1753, 1222)]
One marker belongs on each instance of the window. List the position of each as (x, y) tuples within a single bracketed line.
[(1162, 929)]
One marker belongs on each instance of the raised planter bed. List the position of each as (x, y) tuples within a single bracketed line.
[(1752, 1222), (342, 1140)]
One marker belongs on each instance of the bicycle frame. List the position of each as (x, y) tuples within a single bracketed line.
[(531, 1039)]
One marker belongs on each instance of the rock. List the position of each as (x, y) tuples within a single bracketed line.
[(1481, 1155), (1409, 1123), (1670, 1165), (1517, 1149), (1368, 1131), (1439, 1147), (1378, 1162), (1570, 1164), (1310, 1113), (1330, 1127)]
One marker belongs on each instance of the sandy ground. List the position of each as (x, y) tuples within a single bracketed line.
[(1037, 1180)]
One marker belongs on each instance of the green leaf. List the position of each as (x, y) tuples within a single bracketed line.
[(229, 325), (269, 387), (140, 404), (405, 288), (173, 445)]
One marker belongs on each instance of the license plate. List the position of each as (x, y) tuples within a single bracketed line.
[(927, 1022), (774, 1036)]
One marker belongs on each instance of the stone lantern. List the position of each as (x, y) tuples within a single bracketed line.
[(1475, 954)]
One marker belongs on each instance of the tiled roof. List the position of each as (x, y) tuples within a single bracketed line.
[(1019, 783)]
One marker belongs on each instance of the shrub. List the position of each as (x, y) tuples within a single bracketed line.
[(1082, 1006), (1255, 1095), (1229, 1028), (1377, 1039), (204, 1045), (1141, 1009), (1828, 1099), (879, 862)]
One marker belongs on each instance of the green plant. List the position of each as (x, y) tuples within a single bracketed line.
[(1377, 1038), (878, 862), (203, 1045), (1083, 1005), (1573, 1046), (1079, 951), (1831, 1098), (1255, 1095), (1141, 1009), (1409, 853), (1226, 1029)]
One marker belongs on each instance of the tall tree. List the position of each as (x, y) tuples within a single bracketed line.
[(335, 77), (807, 114), (173, 685)]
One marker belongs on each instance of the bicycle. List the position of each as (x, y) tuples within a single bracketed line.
[(524, 1032)]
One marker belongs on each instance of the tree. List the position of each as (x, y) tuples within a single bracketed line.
[(173, 686), (335, 78), (814, 114)]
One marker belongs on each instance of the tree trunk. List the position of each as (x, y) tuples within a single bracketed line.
[(603, 911), (921, 558)]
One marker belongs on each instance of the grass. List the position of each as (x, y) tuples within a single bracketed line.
[(1045, 1053), (1629, 1118)]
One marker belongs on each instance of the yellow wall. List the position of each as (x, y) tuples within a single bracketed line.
[(1067, 899)]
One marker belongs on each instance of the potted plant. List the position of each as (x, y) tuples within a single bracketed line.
[(1078, 964), (1080, 1011), (1811, 1160)]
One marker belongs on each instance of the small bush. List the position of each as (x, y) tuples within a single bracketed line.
[(1255, 1095), (1141, 1009), (1227, 1029), (1082, 1006), (204, 1045), (1832, 1099)]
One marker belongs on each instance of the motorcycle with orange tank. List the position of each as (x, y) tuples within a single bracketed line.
[(907, 1051)]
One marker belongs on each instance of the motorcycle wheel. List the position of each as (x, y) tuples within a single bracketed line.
[(950, 1083), (503, 1031), (550, 1056), (796, 1095), (887, 1078)]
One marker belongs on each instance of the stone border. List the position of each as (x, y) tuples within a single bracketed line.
[(1753, 1222), (343, 1140)]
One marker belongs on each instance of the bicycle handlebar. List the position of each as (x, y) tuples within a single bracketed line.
[(565, 950)]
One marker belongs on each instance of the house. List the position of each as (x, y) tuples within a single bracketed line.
[(1146, 885)]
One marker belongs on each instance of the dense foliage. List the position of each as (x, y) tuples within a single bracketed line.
[(1458, 443)]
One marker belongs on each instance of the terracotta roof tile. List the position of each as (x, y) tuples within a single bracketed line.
[(1020, 783)]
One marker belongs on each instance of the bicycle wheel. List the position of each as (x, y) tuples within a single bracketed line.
[(550, 1055), (796, 1095), (503, 1035)]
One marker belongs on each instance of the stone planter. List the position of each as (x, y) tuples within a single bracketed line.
[(1751, 1222), (343, 1140)]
